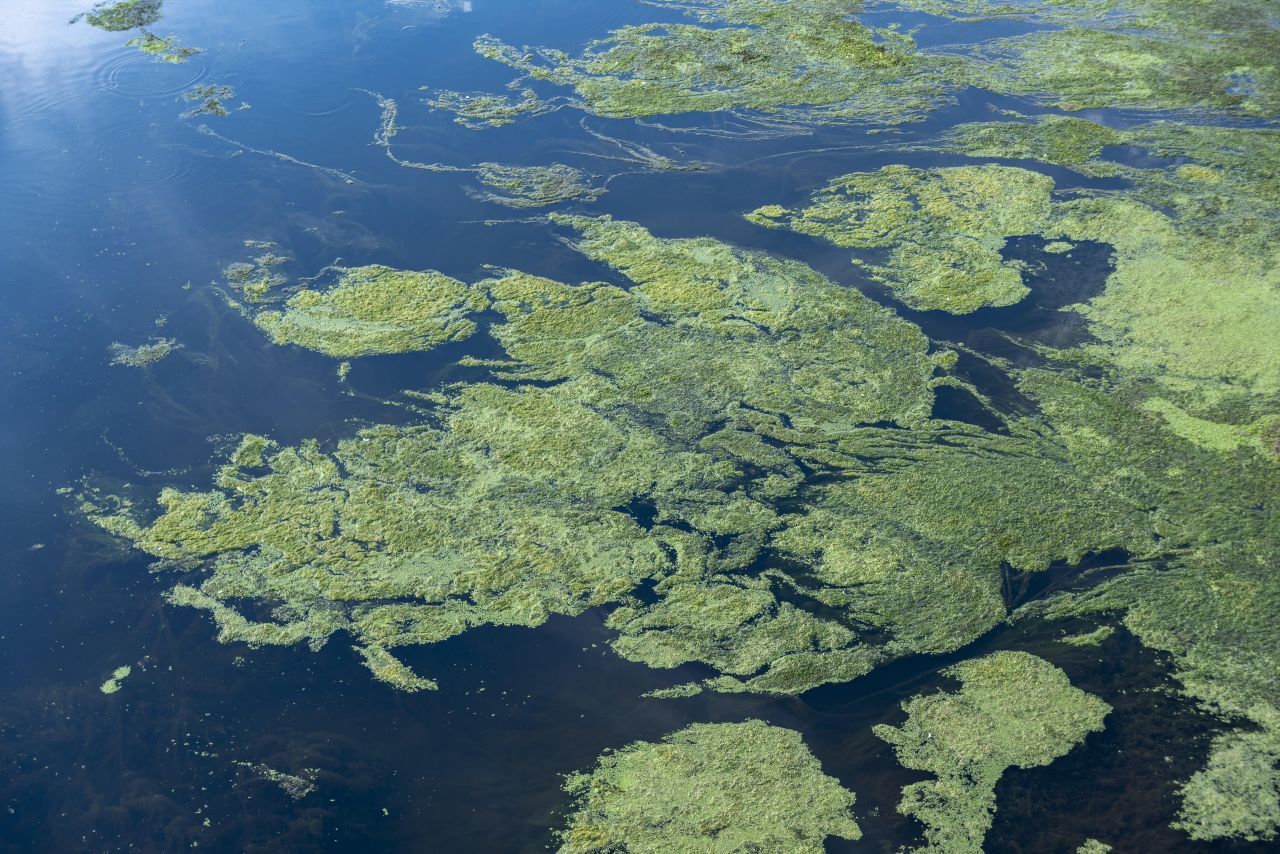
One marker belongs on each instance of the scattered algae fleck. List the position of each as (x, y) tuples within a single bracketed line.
[(1093, 846), (709, 788), (1012, 710), (296, 786), (118, 676), (142, 355), (375, 309)]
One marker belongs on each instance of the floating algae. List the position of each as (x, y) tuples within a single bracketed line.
[(480, 110), (113, 684), (1093, 846), (166, 49), (375, 309), (142, 355), (743, 54), (709, 788), (212, 100), (945, 229), (1012, 710), (124, 15), (535, 186)]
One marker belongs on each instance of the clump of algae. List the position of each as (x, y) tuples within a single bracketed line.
[(535, 186), (209, 99), (166, 49), (114, 683), (709, 788), (142, 355), (945, 229), (1013, 710), (375, 309), (124, 15), (741, 54), (478, 110)]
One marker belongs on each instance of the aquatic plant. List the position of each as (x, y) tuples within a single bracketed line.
[(1012, 710), (142, 355), (709, 788), (478, 110), (375, 309)]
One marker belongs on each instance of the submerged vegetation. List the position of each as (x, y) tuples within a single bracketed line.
[(709, 788)]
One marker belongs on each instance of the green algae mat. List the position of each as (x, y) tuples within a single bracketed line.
[(881, 398)]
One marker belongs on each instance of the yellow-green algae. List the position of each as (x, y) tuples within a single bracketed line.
[(113, 684), (945, 229), (1093, 846), (1013, 710), (709, 788), (375, 309), (535, 186), (742, 54)]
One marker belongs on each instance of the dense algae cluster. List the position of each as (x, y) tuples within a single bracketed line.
[(1012, 710), (709, 788), (741, 462)]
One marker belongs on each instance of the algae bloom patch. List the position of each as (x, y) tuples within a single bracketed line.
[(375, 309), (1012, 710), (709, 788)]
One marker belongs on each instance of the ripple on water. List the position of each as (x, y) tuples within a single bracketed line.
[(134, 74)]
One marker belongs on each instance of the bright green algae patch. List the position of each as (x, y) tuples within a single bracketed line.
[(375, 309), (944, 228), (709, 788), (1013, 710)]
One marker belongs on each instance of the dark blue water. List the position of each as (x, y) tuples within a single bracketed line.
[(116, 218)]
